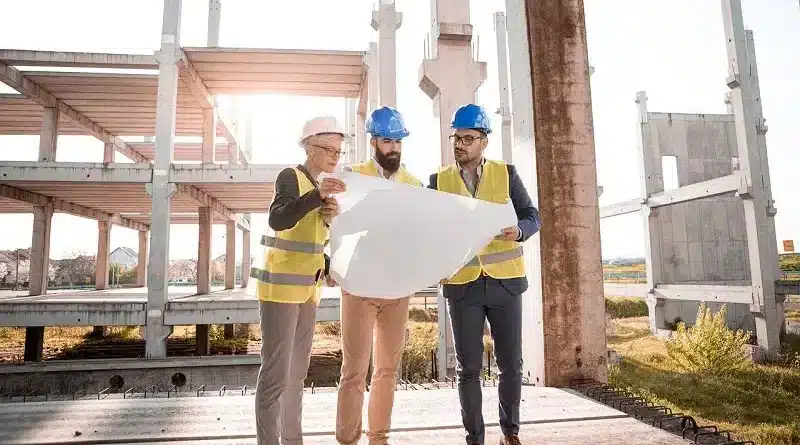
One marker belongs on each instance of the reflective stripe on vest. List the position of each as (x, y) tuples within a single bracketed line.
[(291, 246), (403, 176), (294, 260), (499, 259)]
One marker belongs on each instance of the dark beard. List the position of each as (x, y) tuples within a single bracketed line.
[(391, 165)]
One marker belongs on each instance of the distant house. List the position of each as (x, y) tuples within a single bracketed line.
[(124, 256)]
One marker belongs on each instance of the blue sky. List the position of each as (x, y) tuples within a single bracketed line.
[(673, 50)]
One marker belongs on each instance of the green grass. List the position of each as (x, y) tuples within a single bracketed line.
[(625, 307), (760, 404)]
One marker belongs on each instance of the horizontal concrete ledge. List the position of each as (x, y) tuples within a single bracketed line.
[(75, 172), (253, 173), (125, 363)]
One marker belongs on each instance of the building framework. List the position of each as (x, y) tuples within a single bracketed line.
[(712, 239)]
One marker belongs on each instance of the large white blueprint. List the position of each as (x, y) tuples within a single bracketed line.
[(391, 240)]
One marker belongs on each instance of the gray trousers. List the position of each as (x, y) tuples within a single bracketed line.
[(287, 331), (470, 305)]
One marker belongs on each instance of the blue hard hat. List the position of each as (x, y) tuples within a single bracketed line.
[(472, 117), (386, 122)]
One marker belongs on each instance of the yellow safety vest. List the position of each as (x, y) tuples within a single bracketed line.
[(499, 259), (294, 262), (368, 168)]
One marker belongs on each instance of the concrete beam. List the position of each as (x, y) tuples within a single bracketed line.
[(233, 311), (77, 59), (59, 205), (621, 208), (203, 199), (705, 189), (223, 174), (75, 172), (13, 78), (72, 314)]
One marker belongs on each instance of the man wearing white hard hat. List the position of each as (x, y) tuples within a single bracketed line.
[(290, 284)]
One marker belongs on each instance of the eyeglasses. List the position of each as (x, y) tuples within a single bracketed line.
[(330, 150), (466, 140)]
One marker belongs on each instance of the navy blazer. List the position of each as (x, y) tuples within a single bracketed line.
[(527, 220)]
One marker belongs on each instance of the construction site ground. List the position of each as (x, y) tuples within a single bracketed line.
[(549, 415)]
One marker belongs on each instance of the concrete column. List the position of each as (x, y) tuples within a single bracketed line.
[(450, 76), (502, 73), (246, 254), (572, 277), (230, 254), (108, 153), (161, 189), (40, 250), (204, 251), (757, 202), (103, 242), (386, 20), (208, 150), (523, 157), (233, 153), (34, 343), (202, 344), (373, 78), (651, 180), (48, 138), (214, 16), (362, 147), (141, 266)]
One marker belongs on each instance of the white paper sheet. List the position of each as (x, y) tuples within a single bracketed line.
[(391, 240)]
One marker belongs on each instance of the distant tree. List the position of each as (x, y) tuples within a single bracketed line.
[(19, 274), (78, 269)]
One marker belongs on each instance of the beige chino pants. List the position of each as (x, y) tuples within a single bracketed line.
[(361, 318)]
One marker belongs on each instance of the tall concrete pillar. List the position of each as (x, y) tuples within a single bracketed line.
[(523, 156), (502, 73), (246, 254), (204, 250), (449, 75), (161, 189), (108, 153), (40, 250), (651, 180), (230, 254), (103, 242), (386, 20), (572, 277), (214, 16), (756, 196), (208, 151), (48, 138), (141, 266)]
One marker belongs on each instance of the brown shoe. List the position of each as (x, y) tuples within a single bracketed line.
[(510, 440)]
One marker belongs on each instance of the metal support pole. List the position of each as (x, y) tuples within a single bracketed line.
[(161, 189), (757, 204)]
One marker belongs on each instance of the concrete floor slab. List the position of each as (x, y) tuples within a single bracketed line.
[(549, 415)]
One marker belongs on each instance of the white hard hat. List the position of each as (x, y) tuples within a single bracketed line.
[(320, 125)]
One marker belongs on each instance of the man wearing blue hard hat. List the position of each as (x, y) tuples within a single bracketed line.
[(490, 286), (361, 317)]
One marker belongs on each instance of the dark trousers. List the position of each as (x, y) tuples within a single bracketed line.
[(470, 305)]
